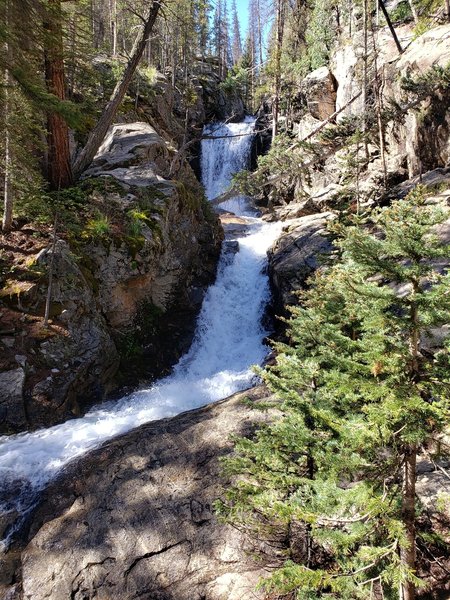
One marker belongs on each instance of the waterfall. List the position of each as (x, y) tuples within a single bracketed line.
[(228, 341)]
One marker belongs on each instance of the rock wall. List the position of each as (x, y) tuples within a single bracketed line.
[(422, 140), (296, 255), (417, 141), (417, 144), (123, 297), (135, 518)]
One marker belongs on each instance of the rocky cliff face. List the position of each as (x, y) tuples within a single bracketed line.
[(417, 145), (125, 289), (296, 255), (417, 139)]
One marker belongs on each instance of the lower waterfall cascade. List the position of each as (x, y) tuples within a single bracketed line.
[(229, 339)]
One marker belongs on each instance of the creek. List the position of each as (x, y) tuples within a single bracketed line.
[(229, 339)]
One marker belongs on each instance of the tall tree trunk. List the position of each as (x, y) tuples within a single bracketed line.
[(71, 75), (8, 192), (260, 44), (98, 133), (408, 553), (350, 17), (391, 27), (59, 168), (365, 78), (114, 27), (277, 83), (378, 87)]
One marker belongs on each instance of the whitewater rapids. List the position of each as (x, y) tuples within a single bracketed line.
[(228, 341)]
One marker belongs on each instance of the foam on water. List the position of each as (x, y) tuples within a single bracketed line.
[(228, 341)]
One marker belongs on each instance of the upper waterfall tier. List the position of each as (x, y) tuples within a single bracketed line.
[(226, 153)]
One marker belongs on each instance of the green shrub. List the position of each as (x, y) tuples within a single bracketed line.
[(402, 12), (97, 229)]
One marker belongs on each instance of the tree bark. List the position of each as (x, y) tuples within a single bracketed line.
[(50, 275), (413, 10), (260, 44), (365, 78), (97, 135), (59, 168), (447, 9), (277, 86), (391, 27), (408, 553), (378, 88), (8, 195)]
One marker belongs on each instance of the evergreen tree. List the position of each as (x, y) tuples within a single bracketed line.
[(321, 34), (359, 398), (248, 65), (236, 42), (202, 8), (59, 161)]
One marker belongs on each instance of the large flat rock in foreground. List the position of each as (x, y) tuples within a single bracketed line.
[(134, 519)]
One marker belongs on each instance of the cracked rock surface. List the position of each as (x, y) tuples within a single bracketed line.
[(134, 519)]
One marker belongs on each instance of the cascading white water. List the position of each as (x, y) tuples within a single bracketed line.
[(228, 341)]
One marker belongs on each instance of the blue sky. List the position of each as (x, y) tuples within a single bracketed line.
[(242, 8)]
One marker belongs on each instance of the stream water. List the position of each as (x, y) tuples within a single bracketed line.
[(228, 341)]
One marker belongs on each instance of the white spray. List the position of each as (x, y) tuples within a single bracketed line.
[(228, 341)]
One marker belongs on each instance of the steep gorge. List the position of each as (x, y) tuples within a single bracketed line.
[(134, 518), (129, 272)]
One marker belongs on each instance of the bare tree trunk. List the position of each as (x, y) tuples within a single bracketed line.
[(260, 44), (174, 57), (8, 194), (350, 17), (365, 79), (408, 552), (358, 200), (59, 168), (114, 28), (50, 275), (71, 76), (447, 9), (379, 105), (98, 133), (279, 41), (391, 27)]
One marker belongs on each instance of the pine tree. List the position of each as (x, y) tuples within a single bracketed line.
[(59, 161), (202, 8), (359, 398), (236, 41)]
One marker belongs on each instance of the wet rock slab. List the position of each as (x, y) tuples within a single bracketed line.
[(12, 407), (135, 518), (233, 225)]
